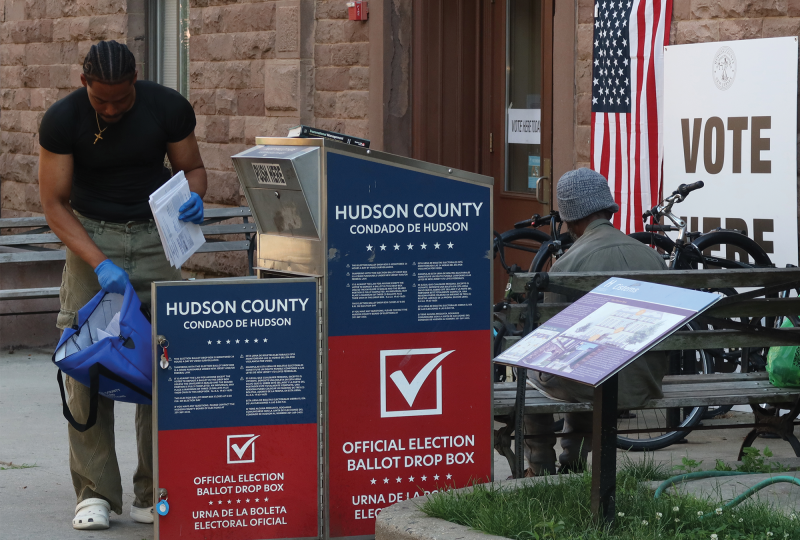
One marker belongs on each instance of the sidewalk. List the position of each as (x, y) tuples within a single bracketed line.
[(38, 503)]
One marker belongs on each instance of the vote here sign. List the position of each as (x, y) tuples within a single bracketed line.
[(730, 119), (408, 375), (237, 409)]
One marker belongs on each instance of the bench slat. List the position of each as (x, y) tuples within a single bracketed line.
[(759, 307), (241, 211), (16, 239), (710, 339), (60, 255), (690, 279), (51, 238), (33, 256), (19, 222), (29, 294), (679, 391), (232, 228), (213, 247)]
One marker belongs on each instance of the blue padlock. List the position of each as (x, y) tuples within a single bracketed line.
[(162, 508)]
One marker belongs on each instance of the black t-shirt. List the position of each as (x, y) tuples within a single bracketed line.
[(114, 178)]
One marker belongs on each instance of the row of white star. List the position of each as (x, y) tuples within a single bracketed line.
[(612, 42), (237, 501), (611, 5), (422, 478), (228, 341), (437, 245), (619, 102)]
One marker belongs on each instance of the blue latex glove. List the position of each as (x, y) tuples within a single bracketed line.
[(112, 278), (192, 210)]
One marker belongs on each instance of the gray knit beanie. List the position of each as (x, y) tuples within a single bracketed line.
[(583, 192)]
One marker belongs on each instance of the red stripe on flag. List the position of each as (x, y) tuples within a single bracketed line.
[(652, 114)]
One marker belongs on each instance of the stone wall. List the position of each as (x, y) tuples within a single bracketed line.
[(341, 58), (228, 46), (42, 46), (257, 68), (693, 21)]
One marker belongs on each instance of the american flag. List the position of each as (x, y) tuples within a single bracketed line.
[(627, 102)]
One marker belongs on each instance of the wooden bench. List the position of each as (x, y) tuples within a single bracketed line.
[(38, 244), (513, 400), (751, 389)]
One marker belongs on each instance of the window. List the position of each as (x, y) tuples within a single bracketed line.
[(527, 151), (168, 43)]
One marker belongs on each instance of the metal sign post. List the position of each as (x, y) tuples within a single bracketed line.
[(235, 395)]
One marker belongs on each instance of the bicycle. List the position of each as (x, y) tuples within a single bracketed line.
[(689, 251)]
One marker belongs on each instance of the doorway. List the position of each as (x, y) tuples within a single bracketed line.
[(473, 61)]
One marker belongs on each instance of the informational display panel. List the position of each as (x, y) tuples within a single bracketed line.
[(605, 330), (730, 119), (237, 409), (408, 377)]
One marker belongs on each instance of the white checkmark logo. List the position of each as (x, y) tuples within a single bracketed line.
[(240, 450), (410, 390)]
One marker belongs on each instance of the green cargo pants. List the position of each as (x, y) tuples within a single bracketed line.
[(136, 248)]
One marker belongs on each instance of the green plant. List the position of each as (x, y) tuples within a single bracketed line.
[(687, 465), (643, 470), (753, 461), (558, 507), (722, 466), (9, 466)]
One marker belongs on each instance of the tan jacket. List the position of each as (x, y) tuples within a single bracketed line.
[(603, 248)]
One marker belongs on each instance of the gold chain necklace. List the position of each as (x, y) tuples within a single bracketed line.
[(98, 136)]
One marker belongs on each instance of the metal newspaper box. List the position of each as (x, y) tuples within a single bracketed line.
[(236, 409), (403, 250)]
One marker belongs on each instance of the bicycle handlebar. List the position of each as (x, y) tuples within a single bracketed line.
[(684, 189), (526, 222), (660, 228)]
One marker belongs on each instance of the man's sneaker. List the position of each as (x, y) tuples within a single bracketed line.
[(142, 515), (91, 514)]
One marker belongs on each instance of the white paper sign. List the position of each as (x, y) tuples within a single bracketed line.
[(730, 120), (524, 126)]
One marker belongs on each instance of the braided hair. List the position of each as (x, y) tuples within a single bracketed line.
[(109, 62)]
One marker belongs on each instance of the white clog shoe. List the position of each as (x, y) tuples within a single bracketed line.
[(91, 514), (142, 515)]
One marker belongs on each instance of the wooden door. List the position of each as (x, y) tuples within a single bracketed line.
[(460, 91)]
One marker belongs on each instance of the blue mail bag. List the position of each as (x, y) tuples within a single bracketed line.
[(109, 351)]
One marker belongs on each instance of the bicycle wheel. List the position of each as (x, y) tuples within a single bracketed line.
[(749, 253), (682, 362), (740, 252), (518, 245), (735, 244)]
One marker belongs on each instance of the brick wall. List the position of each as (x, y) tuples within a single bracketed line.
[(341, 58), (258, 68), (228, 46), (42, 46), (693, 21)]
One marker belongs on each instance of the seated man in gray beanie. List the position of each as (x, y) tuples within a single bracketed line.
[(586, 205)]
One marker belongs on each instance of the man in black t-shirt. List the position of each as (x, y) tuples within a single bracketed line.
[(102, 155)]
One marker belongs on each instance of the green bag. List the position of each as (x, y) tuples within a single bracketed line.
[(783, 364)]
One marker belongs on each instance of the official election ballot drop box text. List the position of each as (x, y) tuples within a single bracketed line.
[(236, 409)]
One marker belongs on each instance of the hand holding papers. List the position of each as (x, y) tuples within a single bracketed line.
[(606, 330), (180, 239)]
